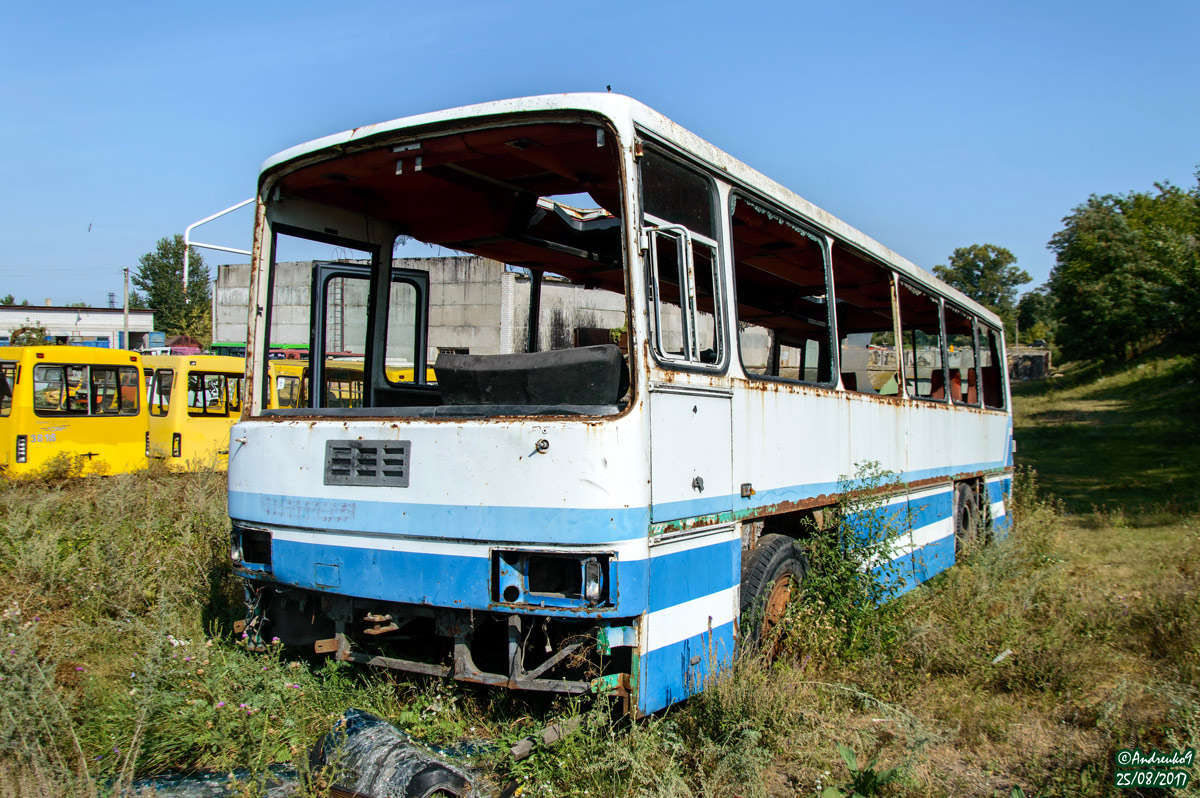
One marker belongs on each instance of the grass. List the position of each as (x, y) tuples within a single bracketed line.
[(116, 605), (1122, 439)]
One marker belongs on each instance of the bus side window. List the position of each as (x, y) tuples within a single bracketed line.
[(114, 391), (960, 348), (233, 397), (991, 372), (129, 391), (779, 276), (49, 387), (75, 399), (920, 320), (104, 393), (865, 323)]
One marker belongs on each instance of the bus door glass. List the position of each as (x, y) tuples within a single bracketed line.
[(341, 292), (690, 422), (405, 356), (160, 392)]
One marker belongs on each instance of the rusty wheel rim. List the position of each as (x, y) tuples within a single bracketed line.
[(777, 602)]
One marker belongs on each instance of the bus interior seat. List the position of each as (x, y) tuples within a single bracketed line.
[(590, 375), (937, 384), (956, 385), (972, 387)]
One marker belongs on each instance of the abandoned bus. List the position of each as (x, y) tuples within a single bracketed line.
[(76, 406), (193, 402), (653, 365)]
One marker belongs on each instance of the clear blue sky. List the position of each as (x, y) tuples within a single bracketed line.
[(926, 125)]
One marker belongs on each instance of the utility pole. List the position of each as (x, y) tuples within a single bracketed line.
[(125, 342)]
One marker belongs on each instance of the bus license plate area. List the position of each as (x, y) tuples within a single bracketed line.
[(552, 579)]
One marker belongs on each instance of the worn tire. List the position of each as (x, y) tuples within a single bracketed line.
[(968, 529), (771, 572)]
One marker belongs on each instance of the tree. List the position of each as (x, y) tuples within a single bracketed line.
[(1127, 272), (160, 277), (987, 274), (8, 300), (29, 335), (1036, 313)]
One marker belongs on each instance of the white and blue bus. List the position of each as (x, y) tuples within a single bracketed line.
[(631, 420)]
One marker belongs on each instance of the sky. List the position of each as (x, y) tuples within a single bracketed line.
[(927, 125)]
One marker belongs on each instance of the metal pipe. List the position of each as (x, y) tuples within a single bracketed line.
[(535, 309), (125, 340), (187, 242)]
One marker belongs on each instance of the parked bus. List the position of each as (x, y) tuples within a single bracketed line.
[(559, 512), (288, 380), (227, 349), (193, 402), (83, 404)]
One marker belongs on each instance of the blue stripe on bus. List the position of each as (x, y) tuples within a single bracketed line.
[(686, 575), (666, 675), (928, 561), (407, 577), (929, 508), (998, 488), (461, 581)]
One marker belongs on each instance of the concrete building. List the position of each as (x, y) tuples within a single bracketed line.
[(90, 326), (476, 305)]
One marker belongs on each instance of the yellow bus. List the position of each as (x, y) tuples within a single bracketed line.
[(343, 381), (77, 404), (288, 383), (193, 401)]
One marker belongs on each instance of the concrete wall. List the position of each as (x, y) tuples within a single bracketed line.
[(475, 304)]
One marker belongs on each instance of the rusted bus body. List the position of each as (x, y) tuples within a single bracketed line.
[(577, 520)]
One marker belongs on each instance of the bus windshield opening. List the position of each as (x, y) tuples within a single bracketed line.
[(520, 309)]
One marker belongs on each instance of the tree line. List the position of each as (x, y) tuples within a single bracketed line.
[(1126, 276)]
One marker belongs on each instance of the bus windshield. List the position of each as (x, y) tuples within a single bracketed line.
[(527, 318)]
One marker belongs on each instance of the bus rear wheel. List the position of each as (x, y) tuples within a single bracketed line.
[(772, 574), (967, 527)]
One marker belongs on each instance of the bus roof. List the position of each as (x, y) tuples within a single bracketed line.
[(626, 113), (222, 363), (70, 354)]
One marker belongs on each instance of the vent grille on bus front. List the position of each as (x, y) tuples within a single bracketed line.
[(367, 463)]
